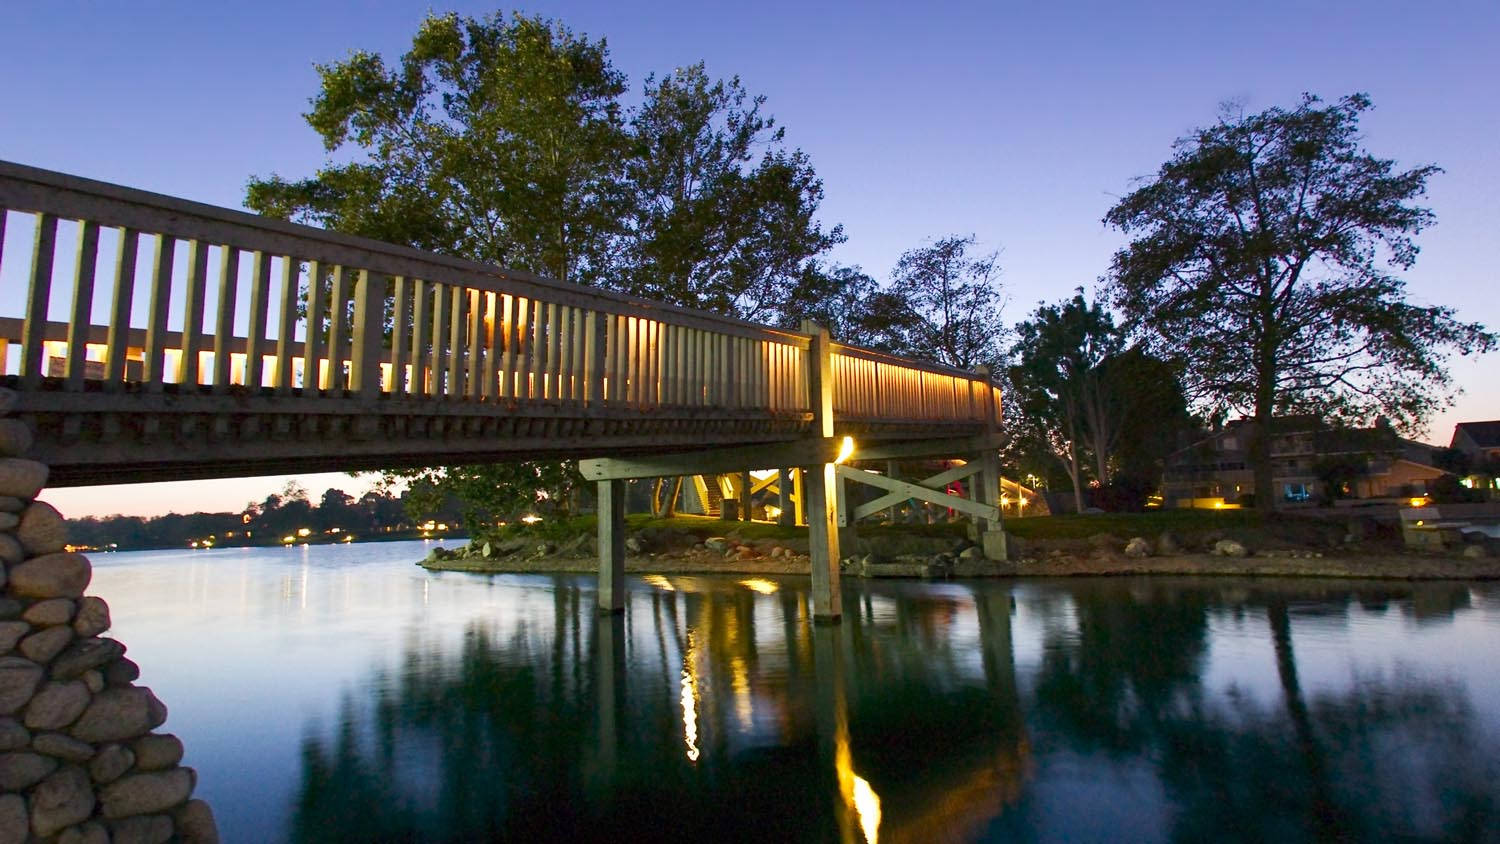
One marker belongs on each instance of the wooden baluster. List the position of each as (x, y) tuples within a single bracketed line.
[(255, 332), (400, 335), (522, 357), (83, 307), (508, 341), (457, 300), (286, 323), (367, 335), (552, 370), (338, 328), (538, 374), (229, 279), (421, 337), (580, 341), (436, 387), (314, 340), (38, 296), (116, 345), (474, 371), (193, 302), (491, 349), (153, 368), (593, 358)]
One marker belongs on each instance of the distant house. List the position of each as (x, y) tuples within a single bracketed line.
[(1479, 440), (1307, 455)]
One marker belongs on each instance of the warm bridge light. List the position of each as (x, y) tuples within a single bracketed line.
[(531, 518), (846, 450), (1419, 501)]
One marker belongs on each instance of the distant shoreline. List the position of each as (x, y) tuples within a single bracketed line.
[(1382, 567)]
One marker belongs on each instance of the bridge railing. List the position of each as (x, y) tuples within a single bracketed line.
[(133, 291)]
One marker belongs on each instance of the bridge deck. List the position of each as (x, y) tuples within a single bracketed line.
[(166, 339)]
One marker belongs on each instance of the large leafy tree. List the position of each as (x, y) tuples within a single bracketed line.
[(722, 216), (954, 303), (498, 140), (1263, 256)]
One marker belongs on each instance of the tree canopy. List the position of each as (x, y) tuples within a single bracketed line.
[(1263, 257)]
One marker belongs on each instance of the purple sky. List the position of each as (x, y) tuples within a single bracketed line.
[(1017, 122)]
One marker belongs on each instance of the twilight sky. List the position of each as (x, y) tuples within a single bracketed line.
[(1018, 122)]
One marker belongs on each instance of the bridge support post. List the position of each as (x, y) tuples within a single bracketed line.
[(991, 531), (819, 495), (787, 517), (611, 509)]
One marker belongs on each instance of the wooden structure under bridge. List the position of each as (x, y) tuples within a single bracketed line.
[(152, 338)]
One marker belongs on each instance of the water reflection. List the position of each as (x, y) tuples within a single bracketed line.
[(505, 709)]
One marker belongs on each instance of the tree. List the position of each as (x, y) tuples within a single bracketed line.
[(1064, 394), (954, 304), (709, 225), (495, 140), (1261, 258)]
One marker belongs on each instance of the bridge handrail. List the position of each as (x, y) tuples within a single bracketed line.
[(379, 319)]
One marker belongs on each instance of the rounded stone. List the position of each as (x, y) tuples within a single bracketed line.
[(11, 633), (44, 645), (8, 521), (49, 613), (141, 829), (57, 705), (18, 681), (15, 823), (63, 575), (10, 550), (11, 504), (121, 672), (157, 752), (195, 823), (63, 799), (144, 794), (63, 747), (91, 832), (10, 608), (111, 763), (22, 770), (42, 530), (118, 714), (13, 736), (15, 438), (8, 399), (92, 618), (86, 655), (93, 679), (22, 478)]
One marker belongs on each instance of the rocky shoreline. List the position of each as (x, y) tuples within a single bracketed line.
[(667, 552)]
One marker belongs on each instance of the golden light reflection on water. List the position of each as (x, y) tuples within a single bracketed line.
[(659, 582), (760, 584), (690, 698), (867, 806)]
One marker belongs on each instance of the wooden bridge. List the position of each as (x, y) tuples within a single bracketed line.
[(327, 352)]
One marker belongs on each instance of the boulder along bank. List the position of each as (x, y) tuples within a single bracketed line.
[(661, 551)]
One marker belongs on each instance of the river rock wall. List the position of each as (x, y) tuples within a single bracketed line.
[(81, 758)]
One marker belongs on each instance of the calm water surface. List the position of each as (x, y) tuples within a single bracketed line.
[(340, 693)]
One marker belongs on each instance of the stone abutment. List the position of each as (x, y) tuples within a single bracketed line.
[(82, 758)]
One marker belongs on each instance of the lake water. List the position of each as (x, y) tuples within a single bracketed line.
[(340, 693)]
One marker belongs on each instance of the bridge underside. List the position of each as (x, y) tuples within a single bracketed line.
[(128, 436)]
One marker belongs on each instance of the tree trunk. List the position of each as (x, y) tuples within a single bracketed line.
[(1260, 447), (1073, 473)]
